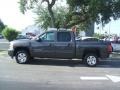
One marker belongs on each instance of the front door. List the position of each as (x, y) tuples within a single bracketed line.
[(44, 48)]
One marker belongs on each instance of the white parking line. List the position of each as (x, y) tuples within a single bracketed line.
[(94, 78), (114, 79)]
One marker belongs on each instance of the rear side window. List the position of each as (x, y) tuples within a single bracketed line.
[(63, 36)]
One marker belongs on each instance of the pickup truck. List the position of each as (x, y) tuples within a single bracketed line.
[(59, 44)]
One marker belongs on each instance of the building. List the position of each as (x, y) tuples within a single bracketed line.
[(33, 29)]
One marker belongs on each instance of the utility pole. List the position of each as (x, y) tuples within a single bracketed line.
[(109, 29)]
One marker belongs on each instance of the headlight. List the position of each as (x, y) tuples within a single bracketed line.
[(11, 46)]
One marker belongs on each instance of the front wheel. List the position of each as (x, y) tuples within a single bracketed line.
[(22, 57), (91, 60)]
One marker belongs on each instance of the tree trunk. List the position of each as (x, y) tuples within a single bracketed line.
[(90, 30), (52, 17)]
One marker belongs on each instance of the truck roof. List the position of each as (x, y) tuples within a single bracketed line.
[(58, 31)]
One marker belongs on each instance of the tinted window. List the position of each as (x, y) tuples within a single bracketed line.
[(48, 36), (63, 36)]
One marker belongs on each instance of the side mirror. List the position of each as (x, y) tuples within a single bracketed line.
[(38, 39)]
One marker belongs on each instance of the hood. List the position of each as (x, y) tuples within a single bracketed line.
[(22, 42)]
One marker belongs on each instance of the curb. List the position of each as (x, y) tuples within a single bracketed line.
[(4, 43)]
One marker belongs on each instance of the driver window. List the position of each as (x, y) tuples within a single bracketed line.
[(50, 36)]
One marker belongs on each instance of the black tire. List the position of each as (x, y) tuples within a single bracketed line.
[(91, 60), (22, 57)]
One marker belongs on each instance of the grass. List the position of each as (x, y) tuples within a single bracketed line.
[(3, 53)]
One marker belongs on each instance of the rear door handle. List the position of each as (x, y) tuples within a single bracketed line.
[(69, 44)]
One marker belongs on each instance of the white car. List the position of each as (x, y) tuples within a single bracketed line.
[(87, 38), (116, 47)]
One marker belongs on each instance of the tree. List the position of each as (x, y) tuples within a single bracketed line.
[(9, 33), (2, 26), (30, 4), (43, 18), (99, 11)]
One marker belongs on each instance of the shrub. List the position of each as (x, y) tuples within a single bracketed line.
[(2, 26), (9, 33)]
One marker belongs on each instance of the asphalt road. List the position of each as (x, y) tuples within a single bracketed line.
[(4, 44), (44, 74)]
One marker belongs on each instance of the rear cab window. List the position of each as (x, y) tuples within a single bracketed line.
[(63, 37)]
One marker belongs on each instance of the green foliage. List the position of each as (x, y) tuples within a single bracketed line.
[(9, 33), (27, 4), (43, 18), (32, 4), (2, 26), (99, 11), (81, 12)]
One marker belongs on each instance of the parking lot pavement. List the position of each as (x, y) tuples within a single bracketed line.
[(3, 40), (4, 44), (44, 74)]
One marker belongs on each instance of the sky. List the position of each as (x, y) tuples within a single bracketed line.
[(10, 14)]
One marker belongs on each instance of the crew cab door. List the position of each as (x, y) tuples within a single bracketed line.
[(65, 46), (44, 46)]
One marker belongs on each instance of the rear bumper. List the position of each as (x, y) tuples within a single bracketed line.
[(11, 53)]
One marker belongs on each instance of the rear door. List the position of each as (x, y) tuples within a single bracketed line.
[(65, 46)]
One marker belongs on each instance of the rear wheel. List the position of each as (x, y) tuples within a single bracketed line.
[(91, 60), (22, 57)]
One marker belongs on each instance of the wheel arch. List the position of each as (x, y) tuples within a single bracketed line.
[(91, 51), (21, 48)]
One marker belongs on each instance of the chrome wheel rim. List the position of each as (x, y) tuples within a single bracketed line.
[(22, 57), (91, 60)]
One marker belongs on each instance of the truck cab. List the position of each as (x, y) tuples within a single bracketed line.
[(52, 44)]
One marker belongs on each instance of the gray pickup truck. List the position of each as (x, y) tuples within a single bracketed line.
[(59, 44)]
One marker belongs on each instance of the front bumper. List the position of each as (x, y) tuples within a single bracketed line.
[(11, 53)]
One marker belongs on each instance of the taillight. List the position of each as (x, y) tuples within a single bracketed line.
[(109, 48)]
